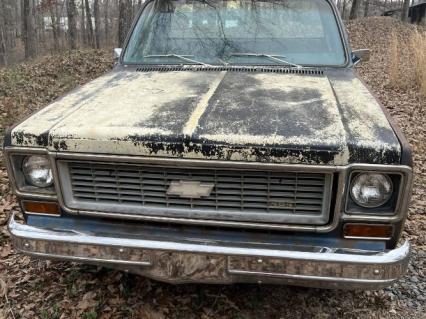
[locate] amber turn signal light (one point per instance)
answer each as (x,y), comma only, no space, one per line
(41,208)
(368,231)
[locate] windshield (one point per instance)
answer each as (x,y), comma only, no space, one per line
(243,32)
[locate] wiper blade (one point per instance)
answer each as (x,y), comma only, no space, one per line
(274,57)
(182,57)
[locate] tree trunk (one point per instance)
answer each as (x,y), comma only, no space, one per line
(3,52)
(96,13)
(55,27)
(72,24)
(344,9)
(28,33)
(106,22)
(124,20)
(40,29)
(354,9)
(89,24)
(405,10)
(366,7)
(83,24)
(121,21)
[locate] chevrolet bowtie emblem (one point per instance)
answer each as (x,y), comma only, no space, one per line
(190,189)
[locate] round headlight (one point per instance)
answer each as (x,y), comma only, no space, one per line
(37,171)
(371,189)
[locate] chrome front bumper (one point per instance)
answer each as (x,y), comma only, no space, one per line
(211,262)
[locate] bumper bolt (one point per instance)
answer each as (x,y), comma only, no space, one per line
(27,245)
(376,271)
(121,250)
(259,261)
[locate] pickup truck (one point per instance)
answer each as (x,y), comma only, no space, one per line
(232,142)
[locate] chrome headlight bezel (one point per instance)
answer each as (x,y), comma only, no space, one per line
(388,207)
(19,182)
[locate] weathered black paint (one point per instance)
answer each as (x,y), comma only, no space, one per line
(210,149)
(255,112)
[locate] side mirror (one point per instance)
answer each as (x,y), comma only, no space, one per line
(117,54)
(361,55)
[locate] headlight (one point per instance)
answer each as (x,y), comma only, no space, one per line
(371,189)
(37,171)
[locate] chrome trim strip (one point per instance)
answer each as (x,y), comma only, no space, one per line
(342,281)
(366,269)
(93,260)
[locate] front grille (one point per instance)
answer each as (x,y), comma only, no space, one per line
(237,195)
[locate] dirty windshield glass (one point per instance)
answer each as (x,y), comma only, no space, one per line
(243,32)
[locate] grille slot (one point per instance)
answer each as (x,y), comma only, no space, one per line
(238,195)
(253,69)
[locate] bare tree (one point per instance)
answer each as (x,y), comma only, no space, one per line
(345,2)
(405,10)
(3,36)
(43,26)
(106,21)
(3,52)
(55,24)
(354,9)
(28,29)
(83,23)
(124,19)
(366,7)
(89,24)
(97,15)
(72,24)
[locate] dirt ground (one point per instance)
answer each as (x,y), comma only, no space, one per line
(31,288)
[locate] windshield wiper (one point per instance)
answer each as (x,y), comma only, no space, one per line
(273,57)
(182,57)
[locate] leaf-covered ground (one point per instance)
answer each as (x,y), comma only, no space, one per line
(31,288)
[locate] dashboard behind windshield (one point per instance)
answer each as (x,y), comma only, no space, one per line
(244,32)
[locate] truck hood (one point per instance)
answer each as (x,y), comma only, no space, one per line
(329,119)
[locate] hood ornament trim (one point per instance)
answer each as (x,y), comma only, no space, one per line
(190,189)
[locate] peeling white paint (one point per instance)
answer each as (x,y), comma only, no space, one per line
(113,108)
(365,116)
(101,116)
(192,123)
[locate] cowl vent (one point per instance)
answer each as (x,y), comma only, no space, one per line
(254,69)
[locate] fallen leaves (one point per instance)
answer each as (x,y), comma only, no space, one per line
(3,288)
(88,301)
(29,86)
(6,250)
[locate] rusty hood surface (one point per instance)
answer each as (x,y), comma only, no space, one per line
(328,119)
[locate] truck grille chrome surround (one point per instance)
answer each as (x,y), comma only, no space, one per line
(256,195)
